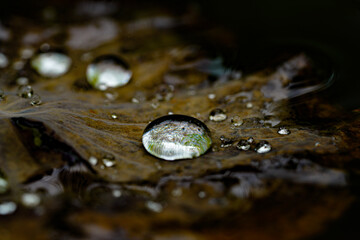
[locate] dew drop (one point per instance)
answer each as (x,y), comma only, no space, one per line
(217,115)
(109,161)
(116,193)
(30,199)
(7,208)
(243,145)
(51,64)
(202,194)
(25,91)
(250,140)
(249,105)
(283,131)
(174,137)
(237,121)
(114,116)
(4,62)
(108,71)
(263,147)
(35,100)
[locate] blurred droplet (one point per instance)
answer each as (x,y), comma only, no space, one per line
(7,208)
(30,199)
(93,160)
(116,193)
(108,71)
(225,142)
(108,160)
(25,91)
(175,137)
(22,81)
(154,206)
(4,62)
(249,105)
(236,121)
(51,64)
(217,115)
(4,185)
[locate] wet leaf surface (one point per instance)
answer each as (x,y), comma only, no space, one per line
(61,148)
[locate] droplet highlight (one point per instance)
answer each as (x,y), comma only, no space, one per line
(283,131)
(51,64)
(263,147)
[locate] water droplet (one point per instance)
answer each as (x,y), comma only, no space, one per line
(249,105)
(177,192)
(243,145)
(4,62)
(263,147)
(114,116)
(27,53)
(175,137)
(225,142)
(25,91)
(18,65)
(250,140)
(202,194)
(317,144)
(170,113)
(217,115)
(211,96)
(4,185)
(154,206)
(283,131)
(237,121)
(51,64)
(30,199)
(116,193)
(7,208)
(109,161)
(108,71)
(22,81)
(35,100)
(93,160)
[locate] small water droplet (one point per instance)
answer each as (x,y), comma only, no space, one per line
(7,208)
(135,100)
(4,62)
(114,116)
(175,137)
(243,145)
(225,142)
(202,194)
(317,144)
(263,147)
(170,113)
(217,115)
(249,105)
(250,140)
(30,199)
(27,53)
(4,185)
(109,161)
(18,65)
(211,96)
(45,47)
(25,91)
(116,193)
(108,71)
(22,81)
(283,131)
(154,206)
(177,192)
(93,160)
(35,100)
(155,104)
(111,96)
(51,64)
(236,121)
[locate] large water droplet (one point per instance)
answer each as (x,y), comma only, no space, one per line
(3,61)
(108,71)
(263,147)
(283,131)
(175,137)
(51,64)
(217,115)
